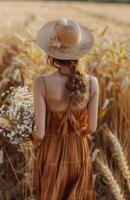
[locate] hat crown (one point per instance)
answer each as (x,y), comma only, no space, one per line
(66,33)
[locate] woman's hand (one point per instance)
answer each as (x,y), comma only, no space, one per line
(36,141)
(87,132)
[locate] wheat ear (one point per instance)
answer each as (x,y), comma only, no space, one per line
(111,181)
(120,156)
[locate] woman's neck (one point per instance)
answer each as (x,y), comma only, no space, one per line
(65,70)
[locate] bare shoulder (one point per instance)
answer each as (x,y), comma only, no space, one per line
(94,84)
(37,81)
(40,80)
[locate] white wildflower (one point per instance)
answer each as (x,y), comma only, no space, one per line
(20,111)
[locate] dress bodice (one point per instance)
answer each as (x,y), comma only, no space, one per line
(76,121)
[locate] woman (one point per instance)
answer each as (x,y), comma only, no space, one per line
(66,109)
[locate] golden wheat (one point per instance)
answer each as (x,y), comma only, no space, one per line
(119,154)
(111,181)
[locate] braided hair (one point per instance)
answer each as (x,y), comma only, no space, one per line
(76,84)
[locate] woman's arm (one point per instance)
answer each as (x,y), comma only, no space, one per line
(39,108)
(93,105)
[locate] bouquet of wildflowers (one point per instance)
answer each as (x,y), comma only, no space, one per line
(17,115)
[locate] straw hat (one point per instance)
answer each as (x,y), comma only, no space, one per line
(65,39)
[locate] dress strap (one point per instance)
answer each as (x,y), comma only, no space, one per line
(44,82)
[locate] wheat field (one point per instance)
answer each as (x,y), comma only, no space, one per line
(21,60)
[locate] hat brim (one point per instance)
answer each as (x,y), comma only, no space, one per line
(75,52)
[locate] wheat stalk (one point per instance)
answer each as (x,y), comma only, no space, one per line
(111,181)
(120,156)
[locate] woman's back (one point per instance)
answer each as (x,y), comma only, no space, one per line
(55,93)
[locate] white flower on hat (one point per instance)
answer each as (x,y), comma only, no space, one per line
(56,43)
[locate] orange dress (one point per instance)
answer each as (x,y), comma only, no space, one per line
(63,167)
